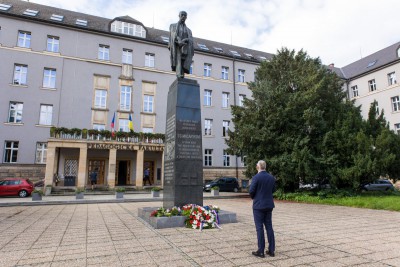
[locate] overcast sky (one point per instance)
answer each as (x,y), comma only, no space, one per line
(337,31)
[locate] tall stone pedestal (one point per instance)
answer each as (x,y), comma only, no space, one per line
(183,158)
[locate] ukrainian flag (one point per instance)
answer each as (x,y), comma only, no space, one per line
(130,124)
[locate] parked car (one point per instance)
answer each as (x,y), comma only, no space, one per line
(21,187)
(378,185)
(224,184)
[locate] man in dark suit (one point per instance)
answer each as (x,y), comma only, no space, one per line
(261,190)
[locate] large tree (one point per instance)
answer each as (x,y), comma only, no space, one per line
(300,122)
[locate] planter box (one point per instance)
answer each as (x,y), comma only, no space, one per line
(214,192)
(155,193)
(119,194)
(80,195)
(179,221)
(36,197)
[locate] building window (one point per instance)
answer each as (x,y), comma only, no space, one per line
(41,152)
(208,157)
(99,127)
(124,125)
(207,70)
(49,78)
(207,98)
(125,98)
(20,74)
(225,128)
(224,73)
(148,102)
(127,56)
(226,159)
(15,112)
(24,39)
(128,28)
(225,100)
(392,78)
(207,127)
(46,114)
(104,52)
(241,99)
(376,107)
(396,103)
(100,98)
(241,77)
(397,128)
(372,85)
(191,69)
(149,60)
(10,151)
(354,90)
(53,44)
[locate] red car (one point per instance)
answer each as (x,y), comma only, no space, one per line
(16,187)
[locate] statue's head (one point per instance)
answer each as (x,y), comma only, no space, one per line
(182,16)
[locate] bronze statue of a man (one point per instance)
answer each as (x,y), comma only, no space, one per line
(180,46)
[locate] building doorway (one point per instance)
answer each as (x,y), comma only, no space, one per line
(150,165)
(99,167)
(123,172)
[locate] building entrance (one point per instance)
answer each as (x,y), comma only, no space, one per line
(123,172)
(99,167)
(150,165)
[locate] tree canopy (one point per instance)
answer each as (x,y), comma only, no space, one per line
(301,123)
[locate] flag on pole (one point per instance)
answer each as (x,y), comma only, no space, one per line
(113,126)
(130,123)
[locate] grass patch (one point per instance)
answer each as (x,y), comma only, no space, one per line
(369,200)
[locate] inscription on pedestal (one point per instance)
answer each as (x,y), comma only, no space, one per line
(183,167)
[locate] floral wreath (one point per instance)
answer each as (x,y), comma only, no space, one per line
(197,217)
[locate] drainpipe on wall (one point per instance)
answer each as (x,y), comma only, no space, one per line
(234,104)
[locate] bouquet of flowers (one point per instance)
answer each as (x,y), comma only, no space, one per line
(199,217)
(161,212)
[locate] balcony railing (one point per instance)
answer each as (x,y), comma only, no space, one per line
(104,135)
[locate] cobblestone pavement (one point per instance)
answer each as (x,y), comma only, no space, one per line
(111,234)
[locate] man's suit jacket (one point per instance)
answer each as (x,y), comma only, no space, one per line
(261,189)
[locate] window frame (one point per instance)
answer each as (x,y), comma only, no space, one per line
(207,97)
(53,44)
(241,75)
(149,60)
(24,39)
(395,103)
(148,103)
(123,125)
(103,52)
(225,100)
(208,127)
(354,90)
(49,80)
(225,128)
(11,150)
(41,153)
(372,85)
(127,56)
(19,107)
(99,99)
(224,73)
(208,157)
(20,75)
(226,159)
(392,78)
(125,99)
(207,70)
(46,116)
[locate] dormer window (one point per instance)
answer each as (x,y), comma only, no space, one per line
(31,12)
(398,52)
(235,53)
(81,22)
(371,63)
(128,28)
(165,39)
(57,17)
(219,49)
(203,47)
(262,58)
(249,55)
(4,7)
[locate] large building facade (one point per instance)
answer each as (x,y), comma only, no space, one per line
(66,69)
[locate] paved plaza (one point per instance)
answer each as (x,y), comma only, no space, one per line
(111,234)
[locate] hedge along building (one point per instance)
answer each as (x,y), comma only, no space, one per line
(67,69)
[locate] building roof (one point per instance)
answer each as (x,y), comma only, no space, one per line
(100,24)
(372,62)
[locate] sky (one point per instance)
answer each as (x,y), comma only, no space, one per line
(336,31)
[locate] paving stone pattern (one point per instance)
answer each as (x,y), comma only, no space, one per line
(111,234)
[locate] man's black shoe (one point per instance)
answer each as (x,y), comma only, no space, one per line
(258,254)
(272,254)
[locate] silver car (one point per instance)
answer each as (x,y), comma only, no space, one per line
(379,185)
